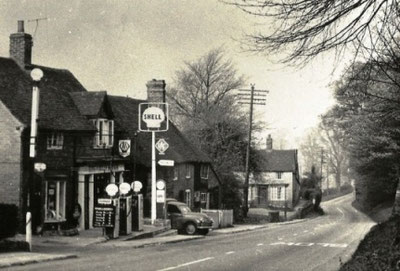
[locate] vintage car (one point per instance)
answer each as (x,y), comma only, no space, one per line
(186,221)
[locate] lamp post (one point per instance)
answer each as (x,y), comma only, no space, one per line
(36,75)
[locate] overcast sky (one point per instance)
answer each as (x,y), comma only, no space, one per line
(118,46)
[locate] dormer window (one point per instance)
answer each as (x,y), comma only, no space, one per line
(104,137)
(55,141)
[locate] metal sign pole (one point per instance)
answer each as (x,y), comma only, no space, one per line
(153,178)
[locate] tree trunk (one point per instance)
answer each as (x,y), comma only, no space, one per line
(338,180)
(396,205)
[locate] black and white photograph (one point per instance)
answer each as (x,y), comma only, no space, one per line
(240,135)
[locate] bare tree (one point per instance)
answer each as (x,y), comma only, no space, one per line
(306,28)
(334,138)
(201,85)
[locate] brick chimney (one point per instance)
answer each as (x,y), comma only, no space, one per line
(156,91)
(269,143)
(21,46)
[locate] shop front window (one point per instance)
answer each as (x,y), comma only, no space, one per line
(55,201)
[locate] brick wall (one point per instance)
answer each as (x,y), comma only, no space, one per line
(10,158)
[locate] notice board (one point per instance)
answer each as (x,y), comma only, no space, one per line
(104,215)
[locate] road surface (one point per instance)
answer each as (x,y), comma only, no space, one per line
(315,244)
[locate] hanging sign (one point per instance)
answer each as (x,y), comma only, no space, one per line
(124,147)
(162,146)
(153,117)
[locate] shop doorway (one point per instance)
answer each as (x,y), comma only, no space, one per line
(87,200)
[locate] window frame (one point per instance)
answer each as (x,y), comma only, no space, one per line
(278,193)
(55,141)
(59,210)
(204,168)
(279,175)
(188,197)
(104,137)
(203,197)
(176,173)
(188,172)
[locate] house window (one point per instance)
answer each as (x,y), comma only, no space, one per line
(204,171)
(104,137)
(203,197)
(188,197)
(188,171)
(55,141)
(277,193)
(55,201)
(279,175)
(176,173)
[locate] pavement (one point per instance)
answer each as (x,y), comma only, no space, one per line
(150,236)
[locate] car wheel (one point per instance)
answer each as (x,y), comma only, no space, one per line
(203,231)
(190,228)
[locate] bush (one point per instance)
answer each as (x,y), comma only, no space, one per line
(9,220)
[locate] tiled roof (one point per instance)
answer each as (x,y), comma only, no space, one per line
(57,110)
(180,149)
(89,103)
(276,160)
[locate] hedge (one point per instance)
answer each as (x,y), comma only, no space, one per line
(9,220)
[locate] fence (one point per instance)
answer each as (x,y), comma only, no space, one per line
(222,218)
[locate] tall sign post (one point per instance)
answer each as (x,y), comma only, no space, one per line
(255,97)
(153,117)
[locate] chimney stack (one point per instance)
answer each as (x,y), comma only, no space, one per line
(269,143)
(156,91)
(21,46)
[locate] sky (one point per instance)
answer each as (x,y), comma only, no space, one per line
(119,45)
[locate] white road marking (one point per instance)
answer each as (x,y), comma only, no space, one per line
(260,244)
(305,231)
(294,234)
(229,252)
(186,264)
(309,244)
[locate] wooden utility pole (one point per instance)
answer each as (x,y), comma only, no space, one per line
(255,97)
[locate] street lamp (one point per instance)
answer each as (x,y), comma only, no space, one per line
(36,75)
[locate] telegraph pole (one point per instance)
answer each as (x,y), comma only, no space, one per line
(255,97)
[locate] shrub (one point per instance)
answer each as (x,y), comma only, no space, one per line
(9,220)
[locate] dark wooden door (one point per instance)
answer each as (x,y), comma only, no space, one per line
(262,196)
(87,200)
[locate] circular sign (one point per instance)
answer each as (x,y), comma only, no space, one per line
(40,167)
(136,186)
(153,116)
(160,185)
(112,189)
(124,188)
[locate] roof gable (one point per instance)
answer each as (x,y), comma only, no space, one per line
(56,109)
(92,103)
(277,160)
(180,149)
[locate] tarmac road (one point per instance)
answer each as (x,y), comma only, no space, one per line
(315,244)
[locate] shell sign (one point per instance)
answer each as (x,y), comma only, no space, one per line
(153,117)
